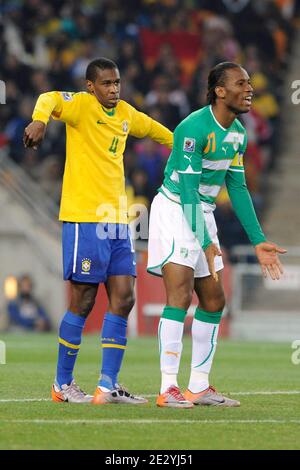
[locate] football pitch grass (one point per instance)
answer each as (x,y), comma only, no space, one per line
(260,375)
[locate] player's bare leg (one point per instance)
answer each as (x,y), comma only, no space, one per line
(83,298)
(178,281)
(120,291)
(205,330)
(82,301)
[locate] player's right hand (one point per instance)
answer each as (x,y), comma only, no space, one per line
(211,251)
(34,134)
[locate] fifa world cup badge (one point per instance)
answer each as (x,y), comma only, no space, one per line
(189,144)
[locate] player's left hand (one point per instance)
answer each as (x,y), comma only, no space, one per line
(211,252)
(267,255)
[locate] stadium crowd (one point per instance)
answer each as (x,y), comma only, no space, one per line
(164,50)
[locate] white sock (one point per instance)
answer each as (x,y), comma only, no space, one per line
(170,347)
(167,380)
(204,337)
(198,381)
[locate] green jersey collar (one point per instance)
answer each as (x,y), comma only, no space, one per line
(217,122)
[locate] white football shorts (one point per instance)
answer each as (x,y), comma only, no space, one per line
(171,239)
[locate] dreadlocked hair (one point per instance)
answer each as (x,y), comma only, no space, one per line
(217,77)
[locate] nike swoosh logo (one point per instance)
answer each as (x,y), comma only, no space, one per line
(101,122)
(72,354)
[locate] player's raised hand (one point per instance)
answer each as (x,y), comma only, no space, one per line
(267,255)
(211,252)
(34,134)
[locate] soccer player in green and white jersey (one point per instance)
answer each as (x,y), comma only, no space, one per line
(183,244)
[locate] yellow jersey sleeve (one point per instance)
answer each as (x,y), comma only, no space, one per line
(60,105)
(144,126)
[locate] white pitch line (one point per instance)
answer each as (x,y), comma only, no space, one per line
(22,400)
(264,392)
(150,421)
(275,392)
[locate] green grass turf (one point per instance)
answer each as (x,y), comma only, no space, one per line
(238,367)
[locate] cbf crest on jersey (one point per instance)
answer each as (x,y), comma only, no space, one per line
(189,144)
(125,126)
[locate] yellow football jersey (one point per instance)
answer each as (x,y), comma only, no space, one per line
(94,183)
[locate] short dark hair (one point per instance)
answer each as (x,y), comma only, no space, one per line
(102,63)
(217,77)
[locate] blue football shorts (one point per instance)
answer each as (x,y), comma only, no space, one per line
(94,251)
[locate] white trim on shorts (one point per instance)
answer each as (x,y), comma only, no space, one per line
(75,248)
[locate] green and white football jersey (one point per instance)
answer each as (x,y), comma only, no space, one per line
(203,146)
(205,155)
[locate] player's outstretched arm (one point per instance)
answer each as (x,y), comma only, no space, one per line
(144,126)
(267,255)
(34,133)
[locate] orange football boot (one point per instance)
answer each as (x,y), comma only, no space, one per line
(172,398)
(210,397)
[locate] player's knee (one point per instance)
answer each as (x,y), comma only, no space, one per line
(182,298)
(84,305)
(215,304)
(123,304)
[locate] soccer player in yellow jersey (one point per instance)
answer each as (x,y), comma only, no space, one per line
(96,241)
